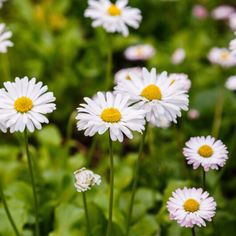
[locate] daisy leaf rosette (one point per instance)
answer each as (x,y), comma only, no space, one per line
(206,152)
(113,17)
(158,95)
(191,207)
(24,103)
(110,112)
(5,36)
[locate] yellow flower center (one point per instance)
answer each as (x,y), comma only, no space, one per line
(152,92)
(128,77)
(205,151)
(139,51)
(113,10)
(191,205)
(111,115)
(23,104)
(224,55)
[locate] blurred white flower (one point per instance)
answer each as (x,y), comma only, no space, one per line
(178,56)
(140,52)
(110,112)
(4,38)
(156,95)
(162,122)
(85,179)
(3,127)
(231,83)
(222,57)
(128,74)
(182,79)
(193,114)
(1,3)
(205,151)
(23,104)
(113,17)
(191,207)
(199,11)
(232,21)
(222,12)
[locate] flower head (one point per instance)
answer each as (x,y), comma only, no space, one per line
(222,57)
(222,12)
(193,114)
(109,112)
(140,52)
(4,39)
(113,17)
(182,79)
(232,46)
(231,83)
(178,56)
(191,207)
(232,21)
(199,11)
(128,74)
(205,151)
(85,179)
(157,95)
(24,103)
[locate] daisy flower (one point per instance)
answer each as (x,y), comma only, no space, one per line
(157,95)
(206,152)
(110,112)
(222,57)
(232,21)
(232,46)
(113,17)
(199,11)
(85,179)
(182,78)
(193,114)
(140,52)
(178,56)
(191,207)
(24,103)
(231,83)
(128,74)
(4,39)
(222,12)
(3,127)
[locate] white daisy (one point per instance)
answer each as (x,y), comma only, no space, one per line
(128,74)
(191,207)
(110,112)
(222,57)
(232,46)
(23,104)
(182,78)
(140,52)
(85,179)
(3,127)
(4,39)
(205,151)
(178,56)
(157,95)
(232,21)
(113,17)
(222,12)
(231,83)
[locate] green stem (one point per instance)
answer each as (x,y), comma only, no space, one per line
(5,67)
(30,165)
(193,232)
(203,179)
(109,81)
(92,149)
(109,227)
(86,213)
(7,210)
(136,177)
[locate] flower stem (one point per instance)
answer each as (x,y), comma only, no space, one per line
(109,227)
(7,210)
(30,165)
(193,232)
(92,150)
(5,67)
(136,177)
(86,213)
(203,179)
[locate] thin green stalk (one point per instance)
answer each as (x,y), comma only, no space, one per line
(92,149)
(70,127)
(30,165)
(136,177)
(8,211)
(5,67)
(109,226)
(109,65)
(193,232)
(86,213)
(203,179)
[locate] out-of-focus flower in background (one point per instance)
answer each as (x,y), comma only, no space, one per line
(193,114)
(182,79)
(5,36)
(1,3)
(222,57)
(222,12)
(128,74)
(199,11)
(231,83)
(232,21)
(178,56)
(140,52)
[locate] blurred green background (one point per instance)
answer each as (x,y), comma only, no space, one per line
(56,44)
